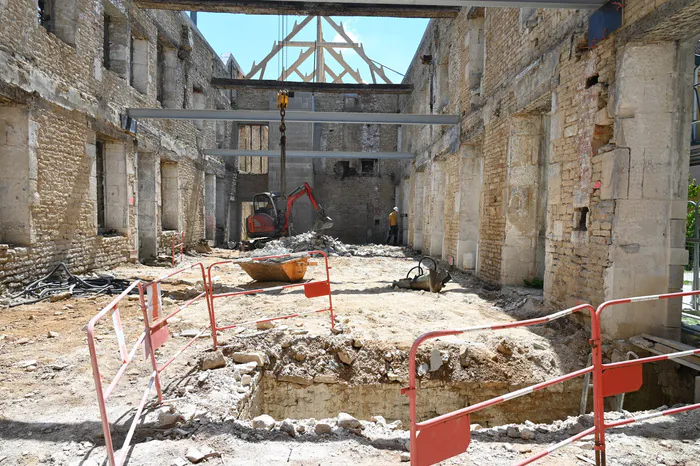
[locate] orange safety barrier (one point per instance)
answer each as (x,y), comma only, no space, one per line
(177,258)
(154,335)
(449,435)
(157,323)
(126,357)
(624,376)
(312,289)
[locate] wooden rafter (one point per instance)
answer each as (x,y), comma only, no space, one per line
(359,50)
(302,58)
(322,72)
(279,46)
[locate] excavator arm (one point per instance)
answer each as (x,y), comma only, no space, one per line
(322,221)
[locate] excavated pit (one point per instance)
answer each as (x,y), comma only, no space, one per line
(306,376)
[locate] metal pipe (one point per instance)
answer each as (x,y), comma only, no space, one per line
(266,116)
(313,154)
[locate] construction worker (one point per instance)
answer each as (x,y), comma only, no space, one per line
(393,226)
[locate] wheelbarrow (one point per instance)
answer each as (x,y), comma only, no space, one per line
(434,280)
(292,270)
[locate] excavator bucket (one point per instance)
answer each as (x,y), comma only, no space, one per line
(323,222)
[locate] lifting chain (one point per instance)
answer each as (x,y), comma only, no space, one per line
(282,103)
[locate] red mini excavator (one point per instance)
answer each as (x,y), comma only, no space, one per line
(270,217)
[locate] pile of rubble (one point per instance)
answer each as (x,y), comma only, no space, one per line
(313,240)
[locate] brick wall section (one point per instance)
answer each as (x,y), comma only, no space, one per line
(73,99)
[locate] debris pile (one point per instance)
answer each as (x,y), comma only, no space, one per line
(313,240)
(61,284)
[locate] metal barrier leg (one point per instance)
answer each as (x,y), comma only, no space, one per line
(598,400)
(149,343)
(586,387)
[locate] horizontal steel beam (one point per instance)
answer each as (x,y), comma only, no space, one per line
(295,154)
(340,88)
(396,8)
(266,116)
(279,7)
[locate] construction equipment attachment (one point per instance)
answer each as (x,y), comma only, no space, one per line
(434,280)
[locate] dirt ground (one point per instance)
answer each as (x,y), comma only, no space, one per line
(48,408)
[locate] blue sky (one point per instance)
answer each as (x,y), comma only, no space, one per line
(390,41)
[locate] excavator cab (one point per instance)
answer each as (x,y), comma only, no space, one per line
(271,213)
(265,219)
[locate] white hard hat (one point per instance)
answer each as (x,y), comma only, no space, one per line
(396,209)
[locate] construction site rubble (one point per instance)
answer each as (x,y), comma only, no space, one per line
(313,240)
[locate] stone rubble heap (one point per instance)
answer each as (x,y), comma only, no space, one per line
(313,240)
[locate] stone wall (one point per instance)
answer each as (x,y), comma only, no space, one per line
(558,143)
(61,111)
(358,201)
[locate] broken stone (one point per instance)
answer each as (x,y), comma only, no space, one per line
(338,329)
(258,357)
(52,334)
(357,343)
(527,434)
(198,455)
(246,368)
(288,428)
(297,379)
(378,419)
(265,325)
(22,341)
(405,457)
(325,378)
(213,360)
(505,347)
(246,380)
(422,370)
(396,425)
(513,432)
(524,448)
(27,363)
(323,428)
(437,359)
(348,422)
(202,378)
(263,422)
(168,416)
(300,357)
(347,356)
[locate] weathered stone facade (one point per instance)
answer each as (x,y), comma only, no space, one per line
(572,162)
(80,185)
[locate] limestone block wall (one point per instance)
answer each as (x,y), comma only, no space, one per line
(71,102)
(562,143)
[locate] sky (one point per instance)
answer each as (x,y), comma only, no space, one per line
(390,41)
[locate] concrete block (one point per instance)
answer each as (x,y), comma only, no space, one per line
(678,256)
